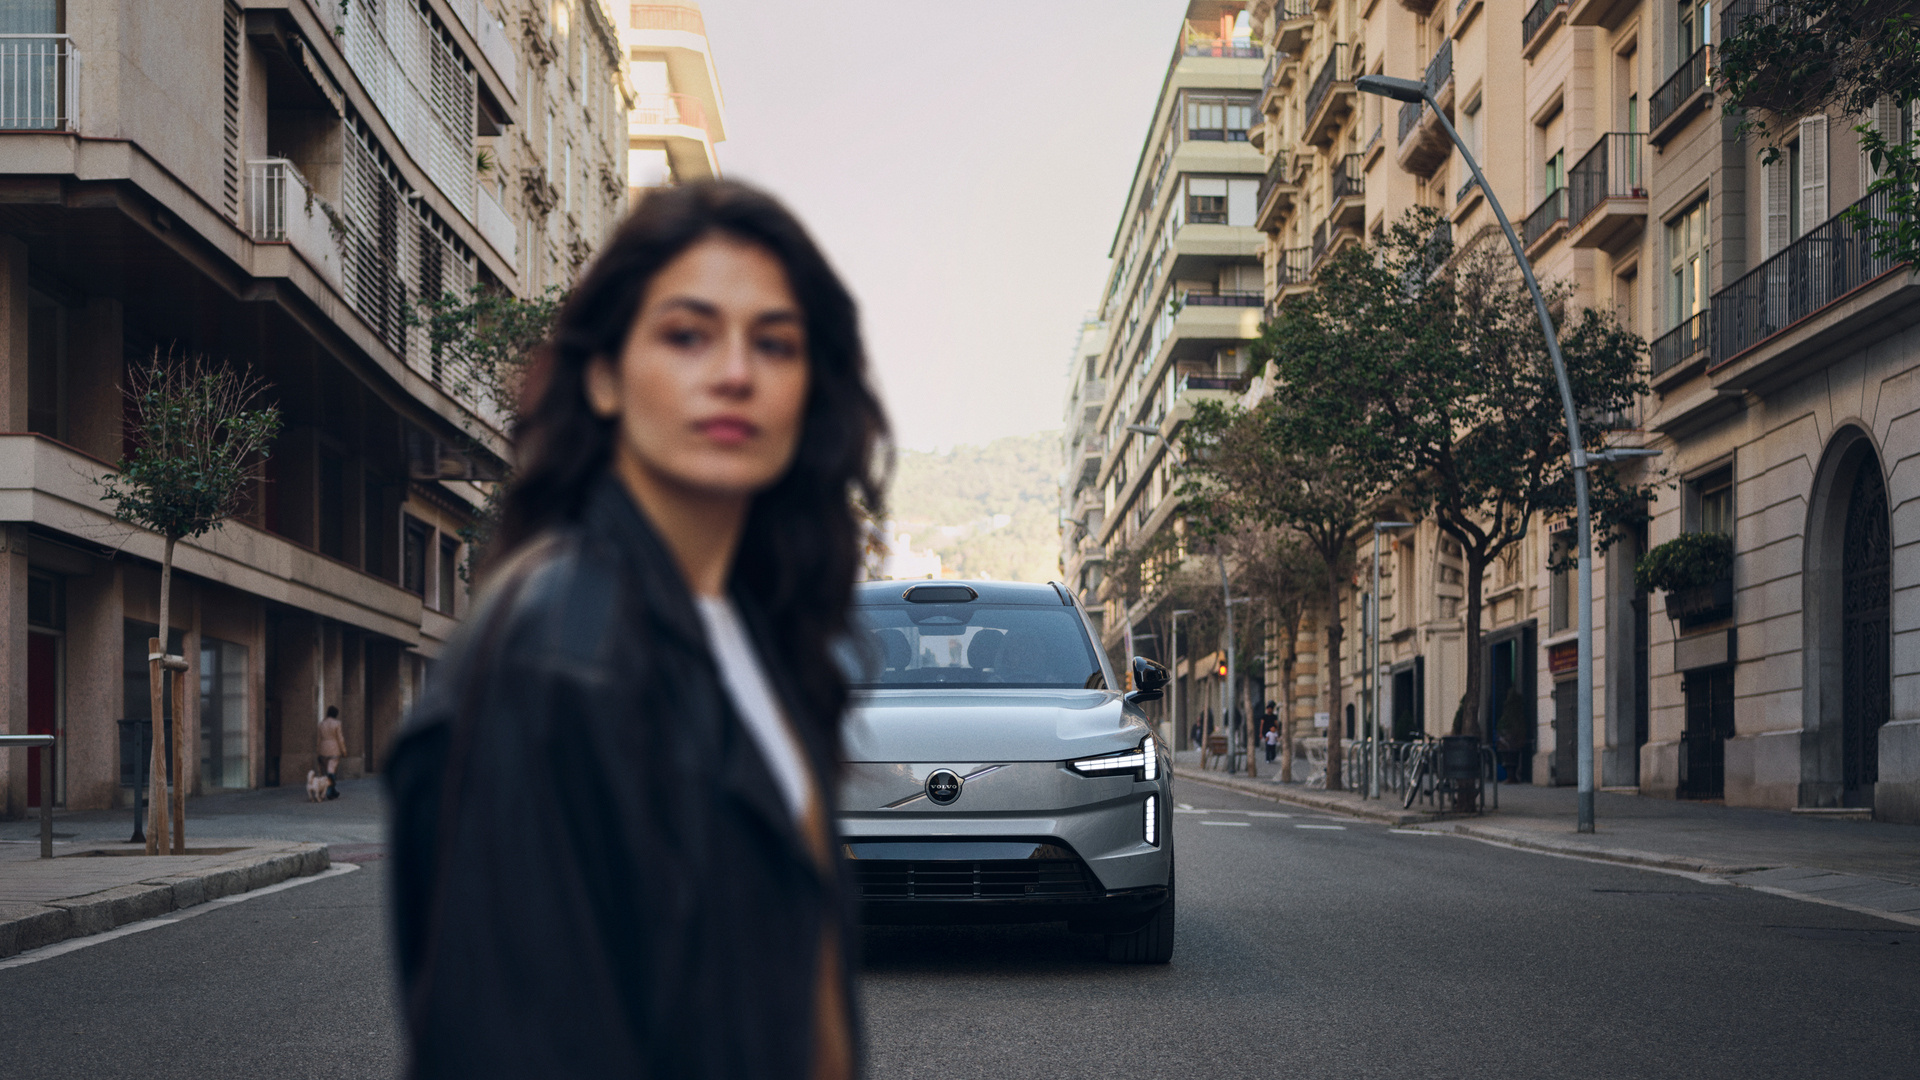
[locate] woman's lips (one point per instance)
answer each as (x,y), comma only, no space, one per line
(728,430)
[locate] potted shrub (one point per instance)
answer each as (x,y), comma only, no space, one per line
(1695,570)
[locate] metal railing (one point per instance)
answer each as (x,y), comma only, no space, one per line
(1274,63)
(44,744)
(1319,243)
(668,109)
(1536,17)
(1551,211)
(1682,343)
(1294,267)
(1611,170)
(1680,86)
(1236,298)
(1826,263)
(1237,50)
(1332,71)
(1410,117)
(1289,10)
(1188,383)
(1277,171)
(272,185)
(667,17)
(1440,68)
(1349,179)
(39,82)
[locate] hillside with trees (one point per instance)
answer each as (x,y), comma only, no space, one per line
(990,511)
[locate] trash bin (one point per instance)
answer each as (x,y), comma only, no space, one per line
(1460,757)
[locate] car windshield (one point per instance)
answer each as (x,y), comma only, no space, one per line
(974,644)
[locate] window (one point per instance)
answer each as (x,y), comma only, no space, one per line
(1713,503)
(1687,264)
(449,572)
(1219,118)
(1695,28)
(974,644)
(1207,201)
(413,557)
(46,367)
(1555,176)
(223,714)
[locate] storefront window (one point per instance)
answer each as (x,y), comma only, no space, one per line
(223,714)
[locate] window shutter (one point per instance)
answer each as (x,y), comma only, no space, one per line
(1813,171)
(1775,193)
(1885,119)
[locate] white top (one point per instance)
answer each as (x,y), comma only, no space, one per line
(753,698)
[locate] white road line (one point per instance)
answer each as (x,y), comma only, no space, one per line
(1341,828)
(1237,824)
(61,948)
(1185,806)
(1260,813)
(1418,832)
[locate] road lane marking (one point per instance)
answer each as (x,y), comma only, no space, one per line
(61,948)
(1235,824)
(1186,806)
(1341,828)
(1417,832)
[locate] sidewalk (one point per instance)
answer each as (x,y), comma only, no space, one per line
(1869,866)
(236,842)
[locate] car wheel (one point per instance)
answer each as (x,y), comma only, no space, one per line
(1152,943)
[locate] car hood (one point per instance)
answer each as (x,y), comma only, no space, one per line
(977,725)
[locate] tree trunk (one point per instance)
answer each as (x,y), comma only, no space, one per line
(1467,722)
(1333,679)
(159,796)
(1286,704)
(179,799)
(1247,725)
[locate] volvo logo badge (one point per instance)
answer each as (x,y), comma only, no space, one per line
(943,786)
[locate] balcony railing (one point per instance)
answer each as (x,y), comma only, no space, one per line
(1551,211)
(1332,71)
(1222,299)
(1274,64)
(1237,50)
(39,82)
(1349,179)
(1828,262)
(1319,243)
(1679,87)
(1611,170)
(1294,268)
(1536,17)
(1440,68)
(1682,343)
(274,189)
(1236,383)
(1277,172)
(654,110)
(667,17)
(1410,118)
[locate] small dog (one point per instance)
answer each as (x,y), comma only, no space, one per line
(317,786)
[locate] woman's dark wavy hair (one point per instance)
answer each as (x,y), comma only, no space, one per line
(803,538)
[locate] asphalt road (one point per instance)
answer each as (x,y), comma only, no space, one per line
(1304,949)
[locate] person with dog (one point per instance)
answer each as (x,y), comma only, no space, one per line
(613,842)
(329,747)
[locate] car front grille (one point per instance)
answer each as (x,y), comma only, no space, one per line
(994,879)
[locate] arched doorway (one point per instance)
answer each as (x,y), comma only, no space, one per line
(1864,647)
(1848,596)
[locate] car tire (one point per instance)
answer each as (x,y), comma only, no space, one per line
(1152,943)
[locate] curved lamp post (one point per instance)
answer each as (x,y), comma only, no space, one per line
(1411,90)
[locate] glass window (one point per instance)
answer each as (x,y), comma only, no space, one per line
(413,558)
(449,572)
(1715,506)
(1219,118)
(975,644)
(1687,264)
(223,714)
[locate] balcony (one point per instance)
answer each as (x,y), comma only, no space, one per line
(1277,190)
(1292,25)
(1546,222)
(39,82)
(1607,193)
(668,110)
(1231,49)
(1539,24)
(1347,191)
(282,209)
(1294,269)
(1424,144)
(1826,264)
(1681,346)
(1682,95)
(667,17)
(497,227)
(1319,244)
(1603,13)
(1331,97)
(1231,298)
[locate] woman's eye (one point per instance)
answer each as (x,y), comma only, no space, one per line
(683,337)
(780,347)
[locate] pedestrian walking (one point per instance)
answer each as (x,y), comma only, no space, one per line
(1272,738)
(1270,724)
(1196,734)
(329,747)
(613,842)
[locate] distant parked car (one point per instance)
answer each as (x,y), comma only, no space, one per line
(998,773)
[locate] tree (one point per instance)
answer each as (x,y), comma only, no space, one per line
(1277,566)
(1276,467)
(1433,361)
(196,443)
(1785,59)
(487,338)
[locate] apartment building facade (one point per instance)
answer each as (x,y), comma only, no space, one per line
(275,184)
(678,110)
(1781,354)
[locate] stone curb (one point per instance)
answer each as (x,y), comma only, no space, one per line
(1306,797)
(30,926)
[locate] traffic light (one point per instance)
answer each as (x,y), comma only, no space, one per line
(1221,669)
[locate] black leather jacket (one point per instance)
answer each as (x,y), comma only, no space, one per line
(594,872)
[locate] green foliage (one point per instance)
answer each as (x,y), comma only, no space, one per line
(1785,59)
(197,444)
(948,501)
(1688,561)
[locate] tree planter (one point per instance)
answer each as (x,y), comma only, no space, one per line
(1701,604)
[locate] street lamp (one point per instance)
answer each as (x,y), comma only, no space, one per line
(1173,663)
(1373,670)
(1411,90)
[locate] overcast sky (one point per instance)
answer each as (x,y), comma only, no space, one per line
(963,165)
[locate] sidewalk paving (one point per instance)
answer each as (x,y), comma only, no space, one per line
(236,842)
(1868,866)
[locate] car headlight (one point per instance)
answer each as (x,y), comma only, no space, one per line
(1141,759)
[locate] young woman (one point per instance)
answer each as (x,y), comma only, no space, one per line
(613,840)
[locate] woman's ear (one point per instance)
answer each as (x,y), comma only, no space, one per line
(603,387)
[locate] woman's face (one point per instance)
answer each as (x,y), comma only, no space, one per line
(711,383)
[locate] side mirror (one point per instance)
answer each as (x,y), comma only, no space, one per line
(1149,680)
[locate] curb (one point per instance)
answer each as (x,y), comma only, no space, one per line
(1305,797)
(31,926)
(1625,856)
